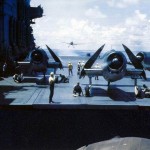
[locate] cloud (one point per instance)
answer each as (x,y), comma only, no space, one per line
(93,28)
(95,13)
(122,3)
(133,32)
(137,29)
(137,19)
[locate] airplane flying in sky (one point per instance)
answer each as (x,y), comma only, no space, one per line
(113,66)
(37,61)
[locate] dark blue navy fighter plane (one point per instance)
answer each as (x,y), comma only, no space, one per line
(113,65)
(37,61)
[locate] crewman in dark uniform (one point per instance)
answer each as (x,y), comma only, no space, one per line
(79,68)
(77,89)
(63,79)
(87,90)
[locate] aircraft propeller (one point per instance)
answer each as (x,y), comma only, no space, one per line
(37,56)
(55,57)
(135,61)
(91,61)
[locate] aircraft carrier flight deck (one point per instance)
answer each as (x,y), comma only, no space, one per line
(31,92)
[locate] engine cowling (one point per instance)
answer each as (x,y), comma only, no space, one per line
(116,66)
(39,60)
(37,56)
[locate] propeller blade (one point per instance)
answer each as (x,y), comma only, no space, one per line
(93,58)
(56,58)
(91,61)
(136,63)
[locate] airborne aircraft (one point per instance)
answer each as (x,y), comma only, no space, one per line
(37,61)
(71,44)
(113,66)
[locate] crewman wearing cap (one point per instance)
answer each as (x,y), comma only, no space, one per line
(70,67)
(51,83)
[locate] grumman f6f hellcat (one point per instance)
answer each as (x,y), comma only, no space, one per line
(37,61)
(113,66)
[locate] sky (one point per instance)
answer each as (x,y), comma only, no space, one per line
(92,23)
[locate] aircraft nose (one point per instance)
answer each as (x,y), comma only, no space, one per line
(37,56)
(115,63)
(115,60)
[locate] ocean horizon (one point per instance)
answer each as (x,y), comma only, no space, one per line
(76,52)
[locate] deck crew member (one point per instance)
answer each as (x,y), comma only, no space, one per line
(63,79)
(70,67)
(77,89)
(79,68)
(139,92)
(88,90)
(18,78)
(51,83)
(82,64)
(142,92)
(146,90)
(4,69)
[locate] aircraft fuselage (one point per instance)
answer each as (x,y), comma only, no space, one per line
(112,66)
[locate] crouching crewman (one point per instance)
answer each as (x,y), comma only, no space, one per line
(77,89)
